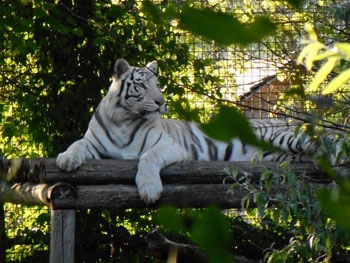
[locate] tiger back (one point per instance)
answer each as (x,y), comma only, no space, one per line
(127,124)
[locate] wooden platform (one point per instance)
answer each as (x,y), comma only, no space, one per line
(110,184)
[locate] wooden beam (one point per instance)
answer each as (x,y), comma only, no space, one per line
(123,172)
(110,183)
(35,194)
(126,196)
(27,193)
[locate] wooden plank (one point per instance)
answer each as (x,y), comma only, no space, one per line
(62,236)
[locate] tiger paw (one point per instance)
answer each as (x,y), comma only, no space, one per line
(68,162)
(149,191)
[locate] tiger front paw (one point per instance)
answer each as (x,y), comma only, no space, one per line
(149,190)
(67,161)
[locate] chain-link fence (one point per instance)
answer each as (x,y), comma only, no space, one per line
(263,78)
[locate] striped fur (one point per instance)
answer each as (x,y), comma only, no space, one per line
(127,125)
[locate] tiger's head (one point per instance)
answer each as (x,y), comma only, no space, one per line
(136,90)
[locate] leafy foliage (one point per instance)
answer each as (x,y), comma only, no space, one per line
(220,129)
(214,240)
(332,200)
(224,28)
(333,204)
(314,51)
(112,236)
(27,237)
(286,226)
(285,201)
(61,63)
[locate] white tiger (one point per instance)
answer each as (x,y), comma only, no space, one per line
(127,125)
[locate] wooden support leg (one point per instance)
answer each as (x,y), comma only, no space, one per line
(2,234)
(62,236)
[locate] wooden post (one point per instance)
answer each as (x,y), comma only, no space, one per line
(3,244)
(62,225)
(62,236)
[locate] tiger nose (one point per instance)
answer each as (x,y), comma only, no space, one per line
(160,101)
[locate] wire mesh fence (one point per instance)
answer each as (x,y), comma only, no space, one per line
(260,77)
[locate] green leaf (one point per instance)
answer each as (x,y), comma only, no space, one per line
(169,218)
(326,54)
(295,91)
(208,228)
(245,201)
(260,28)
(310,30)
(261,202)
(152,11)
(335,204)
(211,232)
(291,179)
(224,28)
(309,53)
(337,82)
(344,47)
(229,123)
(296,3)
(78,31)
(322,73)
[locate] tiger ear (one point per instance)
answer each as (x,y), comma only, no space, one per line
(121,66)
(153,66)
